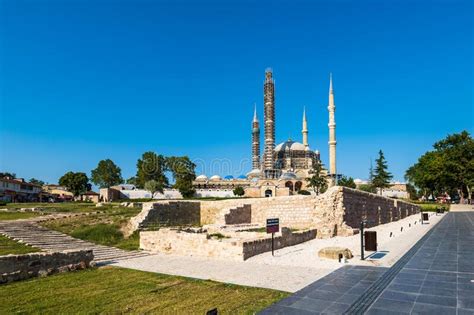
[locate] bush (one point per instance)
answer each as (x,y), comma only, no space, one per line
(304,192)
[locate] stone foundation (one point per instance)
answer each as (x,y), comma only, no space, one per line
(20,267)
(232,246)
(336,212)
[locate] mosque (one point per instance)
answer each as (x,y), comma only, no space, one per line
(283,168)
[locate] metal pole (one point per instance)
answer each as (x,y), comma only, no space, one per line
(362,240)
(273,247)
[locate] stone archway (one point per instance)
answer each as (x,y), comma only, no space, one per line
(268,193)
(289,185)
(298,185)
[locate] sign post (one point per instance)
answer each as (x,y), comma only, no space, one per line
(273,226)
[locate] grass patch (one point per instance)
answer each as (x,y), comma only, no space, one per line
(431,207)
(9,246)
(17,215)
(115,290)
(103,228)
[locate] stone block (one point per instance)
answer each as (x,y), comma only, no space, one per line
(334,252)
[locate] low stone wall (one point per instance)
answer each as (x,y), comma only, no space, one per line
(172,241)
(253,248)
(20,267)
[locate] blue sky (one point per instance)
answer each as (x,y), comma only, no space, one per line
(82,81)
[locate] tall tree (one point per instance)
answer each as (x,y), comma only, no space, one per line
(36,181)
(77,183)
(183,170)
(448,168)
(381,177)
(106,174)
(153,186)
(151,166)
(317,181)
(346,182)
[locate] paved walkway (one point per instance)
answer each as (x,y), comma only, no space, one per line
(29,232)
(436,276)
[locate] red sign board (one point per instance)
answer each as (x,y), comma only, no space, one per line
(273,225)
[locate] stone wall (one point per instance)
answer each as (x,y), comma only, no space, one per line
(287,238)
(165,213)
(336,212)
(20,267)
(172,241)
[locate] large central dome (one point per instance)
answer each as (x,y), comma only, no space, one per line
(290,145)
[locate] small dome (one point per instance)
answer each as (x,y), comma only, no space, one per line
(290,145)
(254,173)
(229,177)
(201,178)
(288,175)
(242,177)
(215,177)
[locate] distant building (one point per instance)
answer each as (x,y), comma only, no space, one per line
(396,189)
(58,192)
(18,190)
(128,191)
(88,196)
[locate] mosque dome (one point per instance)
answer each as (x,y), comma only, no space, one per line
(290,145)
(215,178)
(254,173)
(242,177)
(201,178)
(288,176)
(229,177)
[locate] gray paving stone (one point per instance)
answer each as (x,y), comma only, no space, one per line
(437,300)
(399,296)
(311,305)
(392,305)
(420,308)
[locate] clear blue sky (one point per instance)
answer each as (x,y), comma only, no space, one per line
(82,81)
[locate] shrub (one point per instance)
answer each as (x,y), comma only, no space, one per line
(304,192)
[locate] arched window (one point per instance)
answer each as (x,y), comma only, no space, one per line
(268,193)
(289,185)
(298,186)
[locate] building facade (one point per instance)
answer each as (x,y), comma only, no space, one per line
(18,190)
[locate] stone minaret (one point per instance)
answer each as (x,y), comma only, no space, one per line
(255,141)
(305,130)
(332,130)
(269,112)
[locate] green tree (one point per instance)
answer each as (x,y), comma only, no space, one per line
(77,183)
(318,181)
(183,171)
(239,191)
(7,174)
(153,186)
(381,177)
(36,181)
(346,182)
(368,188)
(106,174)
(447,168)
(132,181)
(151,166)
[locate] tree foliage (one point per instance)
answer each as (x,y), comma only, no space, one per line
(449,168)
(153,186)
(317,181)
(381,177)
(346,182)
(77,183)
(36,181)
(151,166)
(7,174)
(239,191)
(106,174)
(368,188)
(182,169)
